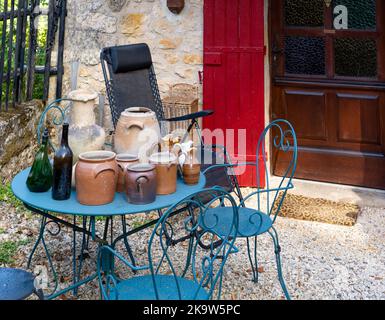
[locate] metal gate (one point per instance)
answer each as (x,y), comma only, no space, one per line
(18,44)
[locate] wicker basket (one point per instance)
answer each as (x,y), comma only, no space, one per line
(182,100)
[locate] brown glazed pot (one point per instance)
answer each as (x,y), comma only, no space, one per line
(96,178)
(124,160)
(140,180)
(166,172)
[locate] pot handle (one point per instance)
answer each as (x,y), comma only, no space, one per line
(103,167)
(140,181)
(172,163)
(138,124)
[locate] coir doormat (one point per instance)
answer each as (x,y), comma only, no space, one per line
(320,210)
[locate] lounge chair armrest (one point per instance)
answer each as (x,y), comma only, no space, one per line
(228,165)
(191,116)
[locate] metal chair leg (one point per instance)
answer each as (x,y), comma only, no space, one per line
(277,250)
(40,294)
(253,259)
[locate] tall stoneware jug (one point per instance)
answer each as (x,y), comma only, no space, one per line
(166,172)
(136,132)
(84,134)
(96,177)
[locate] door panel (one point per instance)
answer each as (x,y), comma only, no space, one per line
(330,84)
(234,75)
(354,111)
(297,108)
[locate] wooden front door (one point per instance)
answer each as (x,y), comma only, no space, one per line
(234,76)
(328,79)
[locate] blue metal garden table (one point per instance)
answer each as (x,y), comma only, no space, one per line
(43,204)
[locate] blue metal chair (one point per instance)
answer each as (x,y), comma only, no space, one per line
(254,222)
(190,273)
(16,284)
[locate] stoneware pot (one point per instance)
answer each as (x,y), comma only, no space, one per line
(136,132)
(84,134)
(96,177)
(124,160)
(166,172)
(140,183)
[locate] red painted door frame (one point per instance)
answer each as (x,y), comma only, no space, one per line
(233,84)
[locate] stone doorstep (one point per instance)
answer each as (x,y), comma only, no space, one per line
(364,197)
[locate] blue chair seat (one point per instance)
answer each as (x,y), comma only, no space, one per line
(251,222)
(15,284)
(142,288)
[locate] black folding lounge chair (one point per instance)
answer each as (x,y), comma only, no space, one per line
(131,81)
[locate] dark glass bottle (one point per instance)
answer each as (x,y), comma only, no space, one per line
(40,176)
(62,168)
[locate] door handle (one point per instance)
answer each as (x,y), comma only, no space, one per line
(276,52)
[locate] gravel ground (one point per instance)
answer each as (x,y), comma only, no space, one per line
(320,261)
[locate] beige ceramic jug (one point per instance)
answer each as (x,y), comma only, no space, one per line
(84,134)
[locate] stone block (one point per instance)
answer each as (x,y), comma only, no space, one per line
(168,44)
(193,59)
(18,143)
(132,23)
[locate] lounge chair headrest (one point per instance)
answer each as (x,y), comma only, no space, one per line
(130,58)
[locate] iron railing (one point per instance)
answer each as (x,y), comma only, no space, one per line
(19,45)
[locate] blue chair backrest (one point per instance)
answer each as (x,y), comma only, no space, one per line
(205,260)
(284,149)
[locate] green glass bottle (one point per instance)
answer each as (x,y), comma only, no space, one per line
(40,177)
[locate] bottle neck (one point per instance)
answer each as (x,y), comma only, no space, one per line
(44,141)
(64,137)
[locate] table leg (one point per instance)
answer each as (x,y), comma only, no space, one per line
(47,219)
(74,278)
(40,239)
(125,240)
(82,254)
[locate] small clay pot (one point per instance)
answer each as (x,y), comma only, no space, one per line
(166,171)
(191,169)
(140,182)
(96,178)
(124,160)
(191,173)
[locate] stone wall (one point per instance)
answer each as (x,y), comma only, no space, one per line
(18,138)
(176,41)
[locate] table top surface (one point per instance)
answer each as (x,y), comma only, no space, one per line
(120,205)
